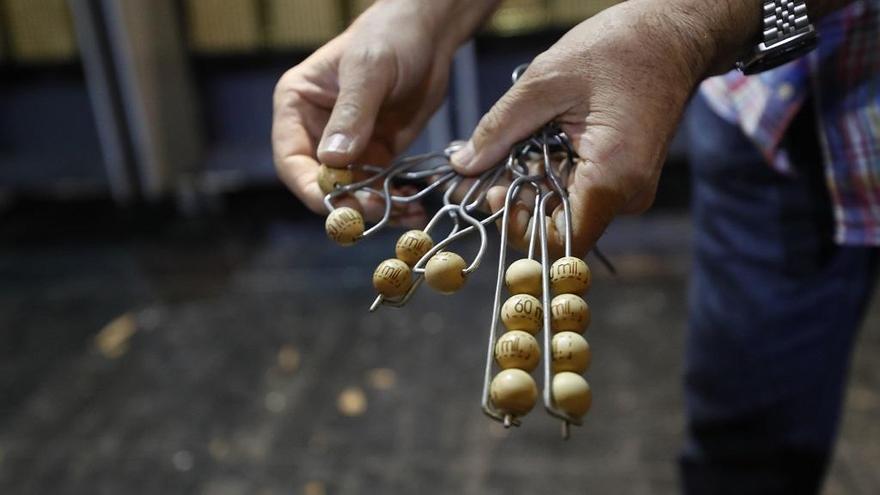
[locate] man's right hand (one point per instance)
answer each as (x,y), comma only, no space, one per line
(367,94)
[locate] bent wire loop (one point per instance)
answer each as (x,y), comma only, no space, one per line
(542,165)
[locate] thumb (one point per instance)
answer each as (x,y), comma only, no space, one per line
(365,80)
(526,107)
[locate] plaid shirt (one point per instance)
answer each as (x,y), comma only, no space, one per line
(843,77)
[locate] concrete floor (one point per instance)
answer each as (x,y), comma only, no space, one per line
(241,359)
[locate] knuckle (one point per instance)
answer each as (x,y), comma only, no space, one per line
(551,86)
(346,110)
(555,79)
(542,64)
(284,85)
(278,160)
(374,53)
(490,124)
(547,66)
(286,100)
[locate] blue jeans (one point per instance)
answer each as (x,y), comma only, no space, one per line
(774,310)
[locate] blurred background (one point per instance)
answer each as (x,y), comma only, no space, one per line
(173,321)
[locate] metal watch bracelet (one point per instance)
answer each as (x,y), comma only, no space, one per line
(787,34)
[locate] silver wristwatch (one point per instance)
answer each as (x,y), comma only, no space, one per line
(788,34)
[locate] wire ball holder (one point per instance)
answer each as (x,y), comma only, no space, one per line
(545,293)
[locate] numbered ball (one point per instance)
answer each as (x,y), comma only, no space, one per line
(524,277)
(569,275)
(443,272)
(572,393)
(513,392)
(522,312)
(517,349)
(330,178)
(392,278)
(571,352)
(412,246)
(570,313)
(344,225)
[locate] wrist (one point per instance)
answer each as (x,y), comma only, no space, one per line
(450,23)
(731,28)
(723,31)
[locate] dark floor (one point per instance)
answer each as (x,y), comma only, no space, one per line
(238,357)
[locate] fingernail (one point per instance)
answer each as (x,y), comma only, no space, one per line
(465,156)
(336,143)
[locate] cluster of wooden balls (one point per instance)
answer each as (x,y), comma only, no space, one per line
(393,277)
(570,316)
(344,225)
(444,272)
(513,390)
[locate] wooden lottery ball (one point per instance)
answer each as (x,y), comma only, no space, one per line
(330,178)
(513,392)
(571,393)
(571,352)
(443,272)
(517,349)
(344,226)
(392,278)
(569,275)
(522,312)
(412,246)
(569,313)
(524,277)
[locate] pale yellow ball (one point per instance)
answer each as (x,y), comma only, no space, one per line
(572,394)
(571,352)
(513,392)
(443,272)
(412,246)
(330,178)
(344,226)
(522,312)
(569,313)
(569,275)
(517,349)
(392,278)
(524,277)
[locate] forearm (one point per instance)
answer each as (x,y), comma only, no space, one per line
(451,22)
(461,18)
